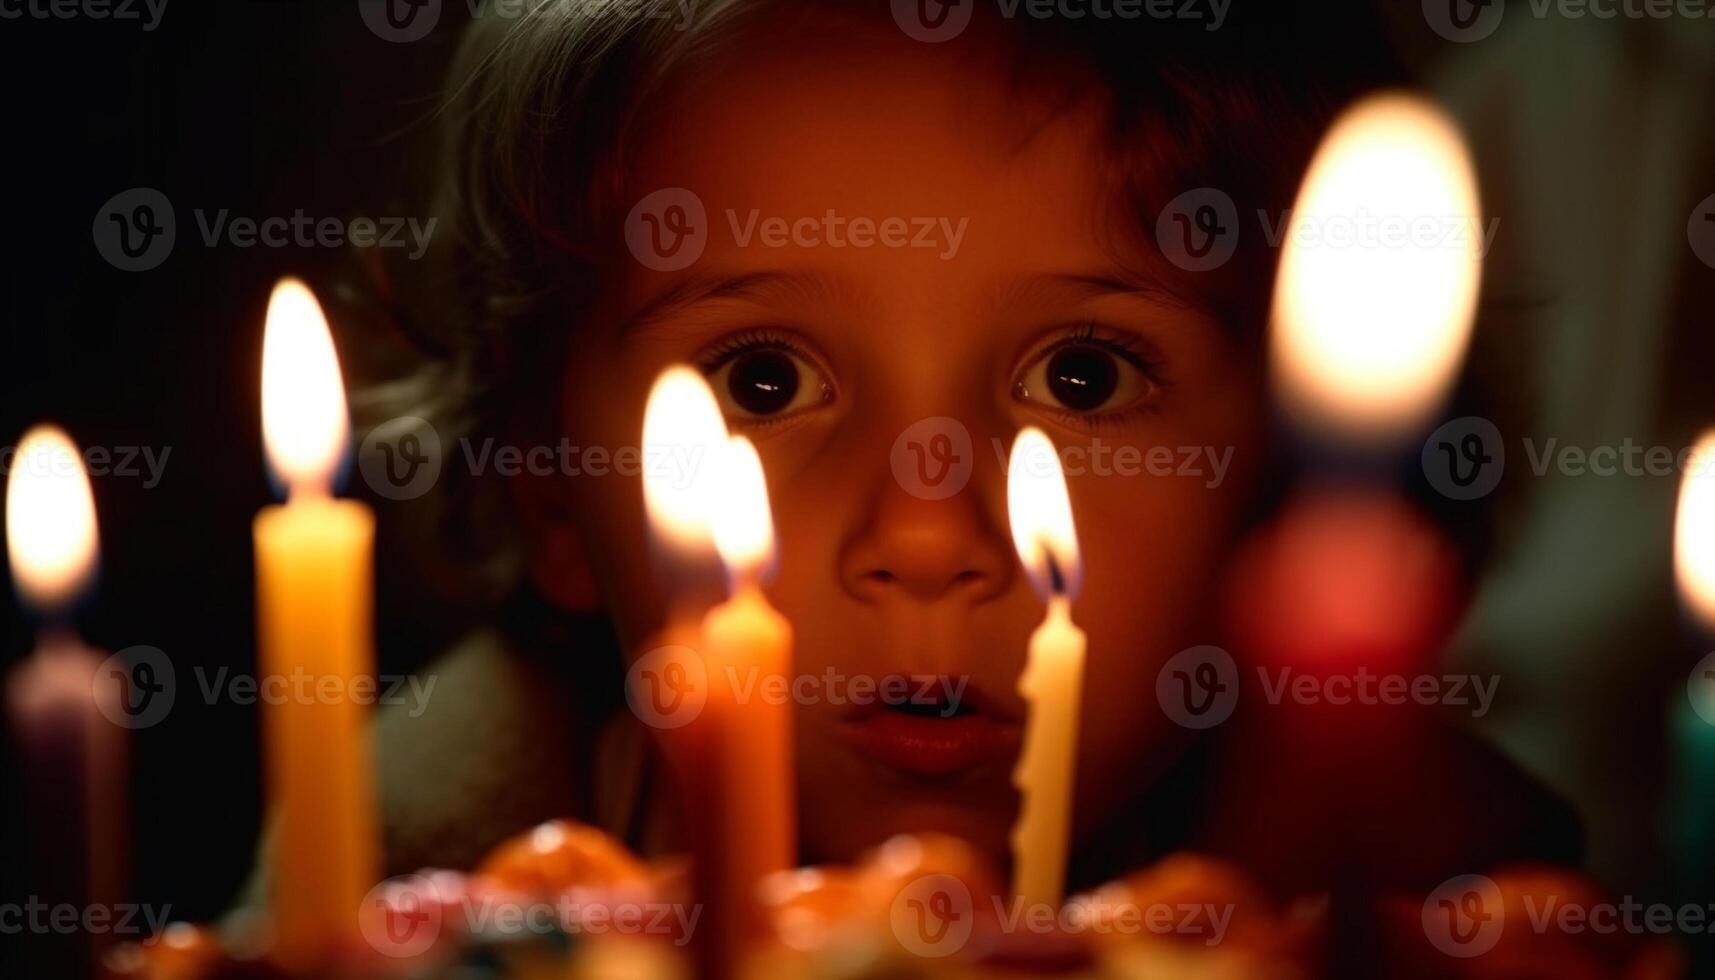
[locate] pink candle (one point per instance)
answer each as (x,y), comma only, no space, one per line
(73,758)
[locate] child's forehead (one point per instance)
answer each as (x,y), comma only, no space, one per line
(865,118)
(925,180)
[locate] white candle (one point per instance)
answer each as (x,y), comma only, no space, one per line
(1052,683)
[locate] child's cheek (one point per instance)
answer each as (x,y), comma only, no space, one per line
(1156,547)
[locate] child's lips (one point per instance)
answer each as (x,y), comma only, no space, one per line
(939,695)
(930,744)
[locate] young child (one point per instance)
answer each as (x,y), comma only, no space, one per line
(1028,159)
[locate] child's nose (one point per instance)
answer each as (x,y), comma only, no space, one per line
(928,550)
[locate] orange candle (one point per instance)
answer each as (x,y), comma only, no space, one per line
(676,687)
(745,644)
(1052,686)
(314,611)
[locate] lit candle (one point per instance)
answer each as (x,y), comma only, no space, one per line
(1369,333)
(314,611)
(1694,534)
(746,643)
(1367,336)
(732,756)
(1694,721)
(1047,543)
(1373,309)
(682,424)
(72,757)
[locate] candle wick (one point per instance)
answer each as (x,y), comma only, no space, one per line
(742,579)
(308,489)
(1056,577)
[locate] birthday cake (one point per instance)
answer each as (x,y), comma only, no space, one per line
(568,901)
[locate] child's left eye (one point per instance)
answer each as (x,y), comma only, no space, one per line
(1086,375)
(760,379)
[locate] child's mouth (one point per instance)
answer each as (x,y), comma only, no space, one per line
(929,733)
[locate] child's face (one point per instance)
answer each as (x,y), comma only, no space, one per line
(1011,310)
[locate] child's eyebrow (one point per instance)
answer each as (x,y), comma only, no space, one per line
(701,289)
(1085,286)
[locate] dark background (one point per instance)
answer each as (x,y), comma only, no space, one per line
(262,108)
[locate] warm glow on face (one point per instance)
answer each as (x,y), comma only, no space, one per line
(1694,533)
(303,397)
(1379,274)
(50,519)
(1041,514)
(683,434)
(743,526)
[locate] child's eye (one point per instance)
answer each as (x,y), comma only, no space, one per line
(764,377)
(1088,374)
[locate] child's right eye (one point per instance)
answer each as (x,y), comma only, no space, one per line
(765,377)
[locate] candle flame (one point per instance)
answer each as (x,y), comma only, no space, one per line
(304,423)
(1041,514)
(1694,532)
(683,434)
(743,527)
(1370,326)
(50,519)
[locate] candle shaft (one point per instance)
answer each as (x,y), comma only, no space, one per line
(74,767)
(1052,687)
(747,643)
(314,567)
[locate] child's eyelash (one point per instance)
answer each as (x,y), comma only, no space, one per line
(1119,343)
(736,345)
